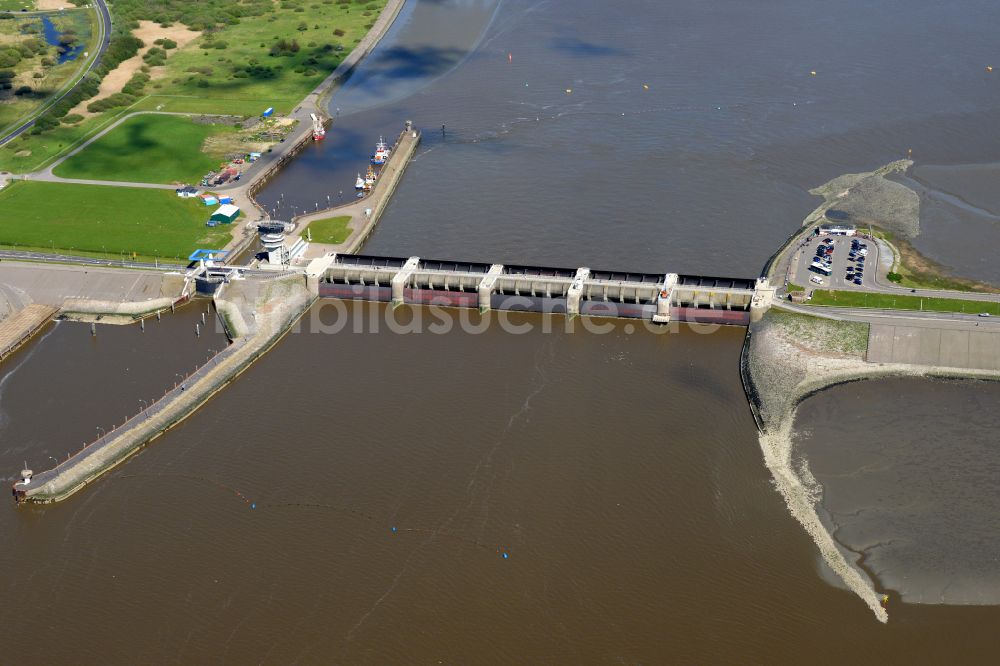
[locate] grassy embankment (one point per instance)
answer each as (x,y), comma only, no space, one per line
(148,149)
(839,337)
(102,221)
(330,230)
(912,269)
(253,54)
(858,299)
(30,73)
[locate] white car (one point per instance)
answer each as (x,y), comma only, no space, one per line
(816,279)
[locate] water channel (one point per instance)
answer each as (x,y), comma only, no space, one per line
(352,497)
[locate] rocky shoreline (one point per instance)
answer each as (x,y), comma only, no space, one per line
(789,357)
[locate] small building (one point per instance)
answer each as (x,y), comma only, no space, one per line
(187,192)
(208,257)
(209,199)
(225,200)
(836,230)
(226,214)
(268,112)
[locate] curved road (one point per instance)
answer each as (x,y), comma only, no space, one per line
(104,23)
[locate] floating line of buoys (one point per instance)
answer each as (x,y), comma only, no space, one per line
(502,550)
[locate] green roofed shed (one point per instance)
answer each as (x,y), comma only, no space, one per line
(226,213)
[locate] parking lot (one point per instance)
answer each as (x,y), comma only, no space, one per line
(851,260)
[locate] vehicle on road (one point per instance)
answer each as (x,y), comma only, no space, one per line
(822,269)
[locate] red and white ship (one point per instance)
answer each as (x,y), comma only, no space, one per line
(319,132)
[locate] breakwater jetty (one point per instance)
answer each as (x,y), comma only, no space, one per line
(257,313)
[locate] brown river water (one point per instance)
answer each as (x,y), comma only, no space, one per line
(546,496)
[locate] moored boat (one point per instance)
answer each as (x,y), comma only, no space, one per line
(381,152)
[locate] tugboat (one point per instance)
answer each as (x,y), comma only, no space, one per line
(319,132)
(370,179)
(381,153)
(359,184)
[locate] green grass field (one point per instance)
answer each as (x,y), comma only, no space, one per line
(147,149)
(17,5)
(331,230)
(859,299)
(28,153)
(98,220)
(234,71)
(194,104)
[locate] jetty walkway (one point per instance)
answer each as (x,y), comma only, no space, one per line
(270,309)
(366,211)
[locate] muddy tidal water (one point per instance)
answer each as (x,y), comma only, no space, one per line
(375,491)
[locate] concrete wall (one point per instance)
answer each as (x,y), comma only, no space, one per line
(355,292)
(457,299)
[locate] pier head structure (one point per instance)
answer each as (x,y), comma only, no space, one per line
(658,297)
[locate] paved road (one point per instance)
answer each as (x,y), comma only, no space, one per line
(897,317)
(47,177)
(56,258)
(104,25)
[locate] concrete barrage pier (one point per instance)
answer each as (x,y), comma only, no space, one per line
(659,297)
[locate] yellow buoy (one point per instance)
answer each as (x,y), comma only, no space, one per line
(569,90)
(645,86)
(813,72)
(989,68)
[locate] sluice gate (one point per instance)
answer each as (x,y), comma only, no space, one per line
(571,291)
